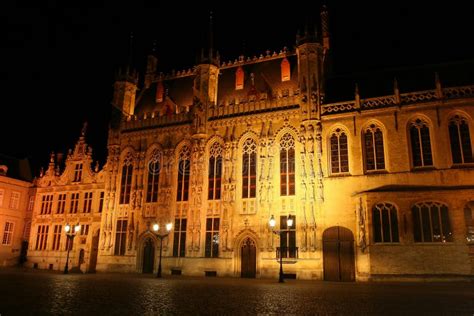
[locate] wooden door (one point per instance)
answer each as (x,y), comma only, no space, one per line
(94,252)
(248,257)
(148,256)
(338,254)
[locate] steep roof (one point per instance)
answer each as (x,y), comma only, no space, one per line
(17,168)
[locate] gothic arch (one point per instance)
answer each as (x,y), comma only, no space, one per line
(423,117)
(286,129)
(180,145)
(127,149)
(152,148)
(461,113)
(246,135)
(212,140)
(375,122)
(238,241)
(328,131)
(140,244)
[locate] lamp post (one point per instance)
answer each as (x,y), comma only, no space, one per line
(70,234)
(156,228)
(272,223)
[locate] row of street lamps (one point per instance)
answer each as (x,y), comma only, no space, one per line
(71,232)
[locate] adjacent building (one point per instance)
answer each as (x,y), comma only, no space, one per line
(16,204)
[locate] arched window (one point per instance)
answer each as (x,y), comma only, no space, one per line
(249,168)
(460,140)
(239,78)
(385,222)
(285,70)
(287,165)
(126,183)
(431,222)
(339,152)
(184,165)
(374,151)
(215,172)
(154,169)
(420,144)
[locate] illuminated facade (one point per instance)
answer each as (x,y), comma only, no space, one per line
(378,187)
(70,194)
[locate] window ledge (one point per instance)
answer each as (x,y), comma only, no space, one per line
(395,243)
(463,165)
(424,168)
(371,172)
(340,175)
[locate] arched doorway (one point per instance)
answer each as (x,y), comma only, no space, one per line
(148,256)
(94,251)
(338,254)
(248,259)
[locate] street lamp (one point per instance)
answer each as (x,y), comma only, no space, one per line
(70,234)
(156,228)
(272,223)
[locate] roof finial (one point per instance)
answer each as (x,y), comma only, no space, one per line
(84,129)
(211,37)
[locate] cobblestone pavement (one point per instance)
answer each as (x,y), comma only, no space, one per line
(45,292)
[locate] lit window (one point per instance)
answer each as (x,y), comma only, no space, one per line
(212,237)
(239,79)
(285,70)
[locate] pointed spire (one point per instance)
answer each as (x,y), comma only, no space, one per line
(262,131)
(439,89)
(325,26)
(357,96)
(270,130)
(84,129)
(308,36)
(211,37)
(396,91)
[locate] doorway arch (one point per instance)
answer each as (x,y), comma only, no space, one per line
(248,258)
(338,254)
(148,255)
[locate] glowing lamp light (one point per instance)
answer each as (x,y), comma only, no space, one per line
(77,228)
(156,227)
(67,228)
(289,221)
(272,222)
(169,226)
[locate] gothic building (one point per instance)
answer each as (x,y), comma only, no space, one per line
(375,188)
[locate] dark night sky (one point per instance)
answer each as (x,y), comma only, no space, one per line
(59,62)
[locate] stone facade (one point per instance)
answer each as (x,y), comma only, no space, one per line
(72,195)
(379,187)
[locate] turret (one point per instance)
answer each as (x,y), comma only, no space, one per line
(205,85)
(125,89)
(151,67)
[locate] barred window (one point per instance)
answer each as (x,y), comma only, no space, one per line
(120,237)
(215,172)
(339,152)
(154,169)
(249,169)
(212,237)
(126,183)
(184,165)
(460,140)
(431,222)
(420,144)
(385,223)
(374,150)
(288,237)
(287,165)
(179,240)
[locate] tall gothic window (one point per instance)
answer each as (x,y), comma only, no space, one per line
(215,172)
(431,222)
(385,222)
(460,139)
(184,165)
(120,237)
(212,237)
(179,240)
(249,169)
(339,152)
(287,165)
(288,237)
(420,144)
(374,151)
(126,183)
(154,169)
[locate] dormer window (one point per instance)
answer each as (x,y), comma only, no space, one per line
(159,92)
(78,173)
(239,79)
(285,70)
